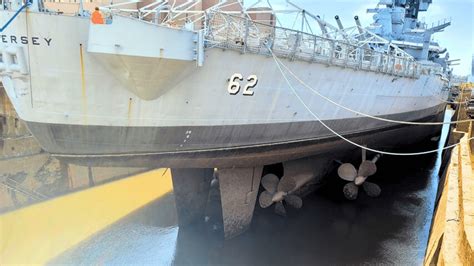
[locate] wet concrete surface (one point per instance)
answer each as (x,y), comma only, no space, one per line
(327,230)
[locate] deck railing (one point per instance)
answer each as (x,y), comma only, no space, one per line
(242,34)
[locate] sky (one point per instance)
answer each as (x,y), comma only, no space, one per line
(458,38)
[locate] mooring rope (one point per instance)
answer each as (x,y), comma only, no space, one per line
(344,138)
(278,61)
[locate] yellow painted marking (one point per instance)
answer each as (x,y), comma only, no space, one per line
(38,233)
(83,84)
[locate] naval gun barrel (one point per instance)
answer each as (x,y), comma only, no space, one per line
(359,26)
(322,25)
(339,23)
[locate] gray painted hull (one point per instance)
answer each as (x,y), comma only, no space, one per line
(130,109)
(225,146)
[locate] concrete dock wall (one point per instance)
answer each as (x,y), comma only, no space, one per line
(452,235)
(15,138)
(29,175)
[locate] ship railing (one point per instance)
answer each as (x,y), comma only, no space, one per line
(441,22)
(242,34)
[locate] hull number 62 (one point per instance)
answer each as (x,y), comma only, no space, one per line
(235,86)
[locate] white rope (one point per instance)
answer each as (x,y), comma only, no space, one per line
(342,137)
(364,114)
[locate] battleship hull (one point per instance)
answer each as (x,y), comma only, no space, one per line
(141,147)
(82,104)
(138,94)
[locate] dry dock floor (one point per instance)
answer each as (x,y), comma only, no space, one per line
(35,234)
(132,221)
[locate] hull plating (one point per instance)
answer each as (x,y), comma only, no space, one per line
(81,103)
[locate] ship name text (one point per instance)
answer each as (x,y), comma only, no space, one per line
(25,40)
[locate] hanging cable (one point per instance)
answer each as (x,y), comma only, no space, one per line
(364,114)
(344,138)
(370,116)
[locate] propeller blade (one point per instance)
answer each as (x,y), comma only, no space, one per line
(265,199)
(279,196)
(372,190)
(294,201)
(351,191)
(286,184)
(280,209)
(270,183)
(360,180)
(347,172)
(367,168)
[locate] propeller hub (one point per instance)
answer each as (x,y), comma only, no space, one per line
(360,180)
(279,196)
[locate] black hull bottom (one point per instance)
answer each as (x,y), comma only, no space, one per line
(396,137)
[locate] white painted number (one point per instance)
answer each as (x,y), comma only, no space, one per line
(253,80)
(234,84)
